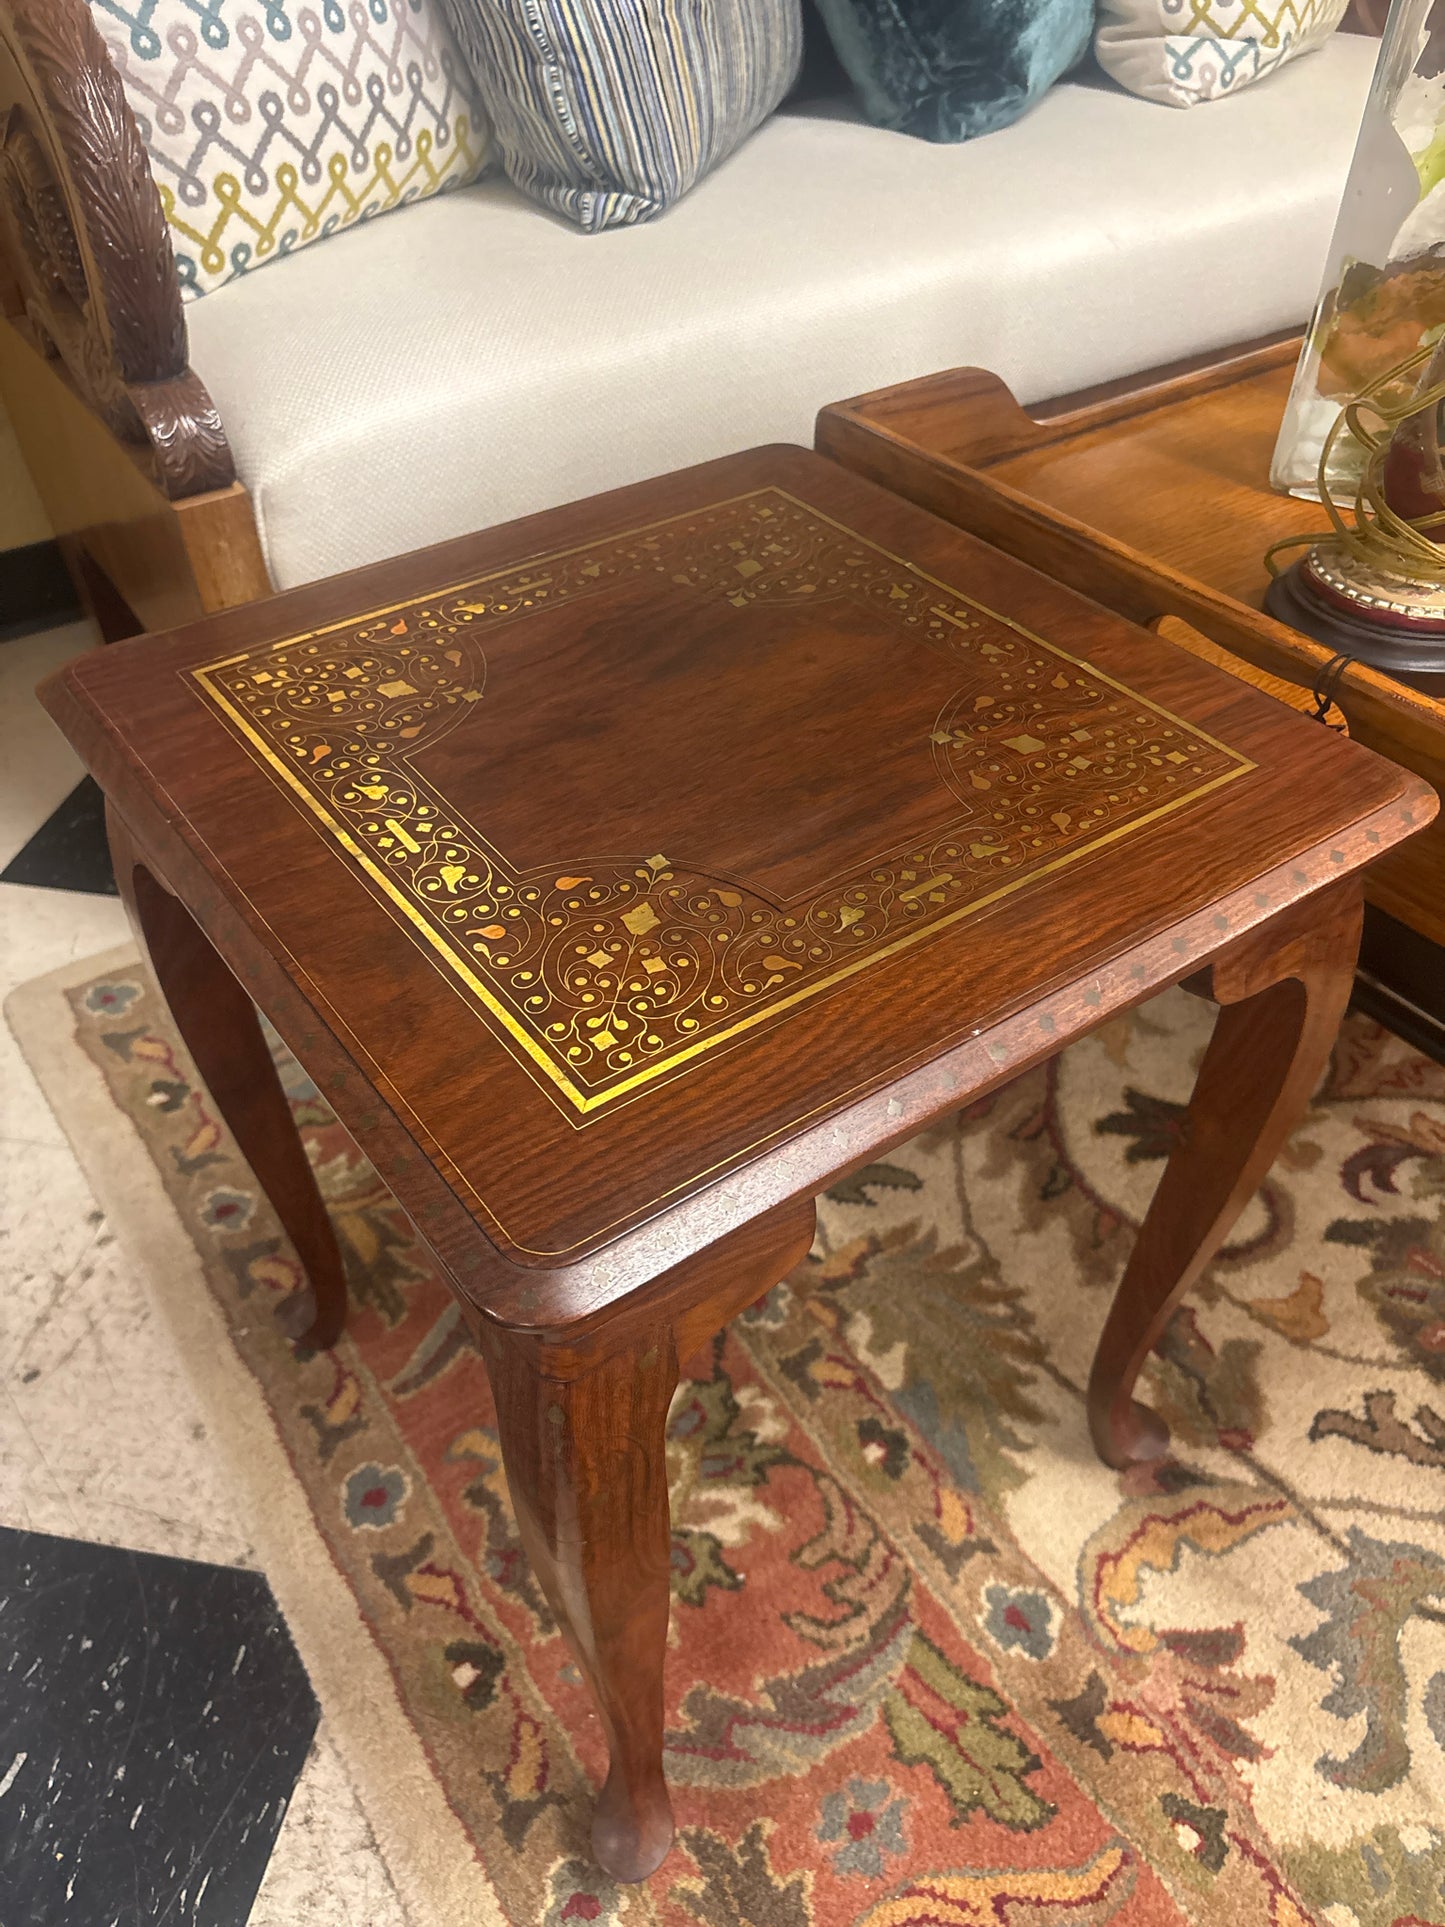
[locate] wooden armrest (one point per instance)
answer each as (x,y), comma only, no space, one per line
(86,269)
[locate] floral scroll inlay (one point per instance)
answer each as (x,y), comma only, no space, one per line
(609,973)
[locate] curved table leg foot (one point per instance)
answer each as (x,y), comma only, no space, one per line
(1135,1436)
(632,1828)
(1282,990)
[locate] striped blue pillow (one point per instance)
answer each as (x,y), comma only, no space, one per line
(608,111)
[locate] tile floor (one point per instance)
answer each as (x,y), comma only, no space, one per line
(78,1335)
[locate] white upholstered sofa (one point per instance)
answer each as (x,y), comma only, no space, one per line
(470,359)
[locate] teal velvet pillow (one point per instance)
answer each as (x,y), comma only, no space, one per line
(949,69)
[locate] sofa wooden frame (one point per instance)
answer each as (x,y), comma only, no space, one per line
(126,447)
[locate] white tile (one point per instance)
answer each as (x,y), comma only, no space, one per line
(32,1499)
(40,931)
(325,1870)
(93,1385)
(41,769)
(100,1436)
(48,1228)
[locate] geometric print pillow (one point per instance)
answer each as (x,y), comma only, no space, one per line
(1182,52)
(272,123)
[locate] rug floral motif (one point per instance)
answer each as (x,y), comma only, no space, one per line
(930,1663)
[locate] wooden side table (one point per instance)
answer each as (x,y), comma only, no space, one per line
(625,876)
(1152,494)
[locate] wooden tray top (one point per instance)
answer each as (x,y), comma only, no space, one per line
(1152,494)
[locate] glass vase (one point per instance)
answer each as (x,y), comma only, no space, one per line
(1383,293)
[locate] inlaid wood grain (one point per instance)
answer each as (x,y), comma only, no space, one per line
(566,1202)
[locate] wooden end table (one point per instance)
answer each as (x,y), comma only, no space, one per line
(1152,495)
(625,876)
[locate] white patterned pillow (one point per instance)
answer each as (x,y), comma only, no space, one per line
(1182,52)
(271,123)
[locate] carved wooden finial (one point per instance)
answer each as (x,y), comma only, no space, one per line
(88,270)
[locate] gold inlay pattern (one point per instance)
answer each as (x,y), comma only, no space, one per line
(602,974)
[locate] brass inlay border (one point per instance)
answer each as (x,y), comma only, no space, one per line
(662,965)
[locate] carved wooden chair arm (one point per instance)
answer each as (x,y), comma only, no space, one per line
(86,268)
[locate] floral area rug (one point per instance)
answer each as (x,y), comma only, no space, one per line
(931,1663)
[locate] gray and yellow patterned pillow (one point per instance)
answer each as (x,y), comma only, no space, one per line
(272,123)
(1182,52)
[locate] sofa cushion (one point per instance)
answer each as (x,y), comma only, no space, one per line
(608,111)
(1150,47)
(471,360)
(268,129)
(946,72)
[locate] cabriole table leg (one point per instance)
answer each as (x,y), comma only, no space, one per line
(587,1470)
(223,1033)
(582,1421)
(1282,991)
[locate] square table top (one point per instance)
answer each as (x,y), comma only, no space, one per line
(624,845)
